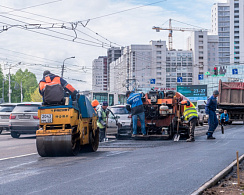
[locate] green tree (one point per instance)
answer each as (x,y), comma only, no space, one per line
(35,96)
(29,85)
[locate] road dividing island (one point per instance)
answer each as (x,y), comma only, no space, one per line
(218,177)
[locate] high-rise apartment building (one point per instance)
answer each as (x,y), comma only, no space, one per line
(205,53)
(100,74)
(132,69)
(179,68)
(113,54)
(146,66)
(228,23)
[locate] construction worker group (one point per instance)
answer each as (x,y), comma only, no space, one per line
(52,88)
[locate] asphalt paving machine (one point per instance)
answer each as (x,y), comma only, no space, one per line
(67,129)
(163,114)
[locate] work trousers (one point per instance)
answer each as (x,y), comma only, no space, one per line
(102,134)
(193,123)
(142,120)
(223,122)
(212,122)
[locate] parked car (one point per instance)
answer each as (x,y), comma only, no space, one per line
(5,111)
(124,121)
(206,116)
(24,119)
(112,124)
(200,118)
(201,111)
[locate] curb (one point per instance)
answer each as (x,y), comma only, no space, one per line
(217,178)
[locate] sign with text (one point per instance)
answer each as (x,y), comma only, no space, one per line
(193,92)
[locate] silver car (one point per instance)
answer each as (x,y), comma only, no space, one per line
(5,111)
(124,122)
(24,119)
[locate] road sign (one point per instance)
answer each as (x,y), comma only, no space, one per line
(235,71)
(152,81)
(200,77)
(179,79)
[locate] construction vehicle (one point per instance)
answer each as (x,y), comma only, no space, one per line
(231,98)
(163,115)
(67,129)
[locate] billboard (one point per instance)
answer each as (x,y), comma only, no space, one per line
(193,92)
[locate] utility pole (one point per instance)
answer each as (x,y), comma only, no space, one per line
(3,89)
(9,87)
(62,72)
(21,92)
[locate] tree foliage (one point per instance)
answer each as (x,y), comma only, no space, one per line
(35,96)
(25,78)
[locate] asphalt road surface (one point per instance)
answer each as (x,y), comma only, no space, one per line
(119,166)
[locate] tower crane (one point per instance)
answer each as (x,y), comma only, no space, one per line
(171,29)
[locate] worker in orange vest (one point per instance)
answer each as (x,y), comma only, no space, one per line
(56,87)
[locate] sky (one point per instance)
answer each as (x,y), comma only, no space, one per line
(38,35)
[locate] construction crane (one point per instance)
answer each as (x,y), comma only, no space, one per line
(171,29)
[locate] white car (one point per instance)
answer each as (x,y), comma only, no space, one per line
(24,119)
(5,111)
(124,122)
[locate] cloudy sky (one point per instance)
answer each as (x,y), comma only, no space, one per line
(38,35)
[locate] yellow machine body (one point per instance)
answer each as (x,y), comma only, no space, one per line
(64,132)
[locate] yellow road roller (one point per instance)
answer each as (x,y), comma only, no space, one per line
(65,130)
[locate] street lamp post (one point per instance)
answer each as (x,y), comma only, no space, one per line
(62,72)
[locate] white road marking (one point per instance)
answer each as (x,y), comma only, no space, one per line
(17,156)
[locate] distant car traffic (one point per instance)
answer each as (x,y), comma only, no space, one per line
(24,119)
(5,111)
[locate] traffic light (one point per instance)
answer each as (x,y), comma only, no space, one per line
(215,71)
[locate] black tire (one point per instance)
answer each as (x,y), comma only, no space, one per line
(118,136)
(15,134)
(201,124)
(93,142)
(75,142)
(1,131)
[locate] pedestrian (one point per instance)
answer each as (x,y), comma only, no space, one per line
(210,109)
(224,118)
(102,121)
(137,110)
(190,115)
(52,88)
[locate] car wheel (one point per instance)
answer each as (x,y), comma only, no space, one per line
(118,136)
(201,123)
(1,131)
(15,134)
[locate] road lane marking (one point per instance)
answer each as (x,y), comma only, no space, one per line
(17,156)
